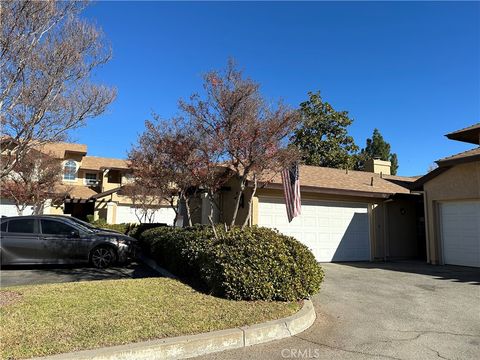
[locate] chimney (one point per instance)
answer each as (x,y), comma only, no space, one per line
(378,166)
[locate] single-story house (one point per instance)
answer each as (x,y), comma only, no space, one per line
(346,215)
(452,204)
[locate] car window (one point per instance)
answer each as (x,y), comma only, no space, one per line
(53,227)
(21,226)
(3,227)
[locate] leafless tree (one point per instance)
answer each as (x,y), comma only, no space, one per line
(33,181)
(145,200)
(47,55)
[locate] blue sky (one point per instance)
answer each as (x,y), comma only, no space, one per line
(410,69)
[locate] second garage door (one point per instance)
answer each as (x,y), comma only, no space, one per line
(460,222)
(334,231)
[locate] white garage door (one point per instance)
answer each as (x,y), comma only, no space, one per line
(460,224)
(126,214)
(8,208)
(334,231)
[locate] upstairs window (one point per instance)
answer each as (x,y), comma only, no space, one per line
(70,170)
(91,179)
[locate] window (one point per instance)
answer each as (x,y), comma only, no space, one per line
(4,226)
(70,170)
(22,226)
(114,177)
(91,179)
(53,227)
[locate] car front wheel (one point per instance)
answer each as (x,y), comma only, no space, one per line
(102,257)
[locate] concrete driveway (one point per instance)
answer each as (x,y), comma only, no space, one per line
(43,274)
(402,310)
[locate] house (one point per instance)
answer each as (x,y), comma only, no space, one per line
(94,186)
(452,204)
(346,215)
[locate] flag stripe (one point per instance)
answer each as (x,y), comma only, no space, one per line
(291,191)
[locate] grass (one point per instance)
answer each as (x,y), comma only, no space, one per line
(57,318)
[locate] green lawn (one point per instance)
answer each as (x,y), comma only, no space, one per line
(56,318)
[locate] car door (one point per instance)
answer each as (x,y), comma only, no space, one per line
(21,243)
(63,240)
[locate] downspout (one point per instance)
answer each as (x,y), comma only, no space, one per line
(427,222)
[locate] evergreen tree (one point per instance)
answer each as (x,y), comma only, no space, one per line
(377,148)
(322,137)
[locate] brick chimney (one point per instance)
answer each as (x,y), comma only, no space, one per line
(378,166)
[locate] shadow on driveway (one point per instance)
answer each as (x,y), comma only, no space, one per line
(454,273)
(47,274)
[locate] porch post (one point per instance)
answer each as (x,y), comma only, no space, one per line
(111,212)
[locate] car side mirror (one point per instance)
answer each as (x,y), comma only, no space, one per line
(75,234)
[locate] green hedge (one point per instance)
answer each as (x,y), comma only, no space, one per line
(251,264)
(102,224)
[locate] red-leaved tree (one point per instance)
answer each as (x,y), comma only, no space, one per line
(249,134)
(162,160)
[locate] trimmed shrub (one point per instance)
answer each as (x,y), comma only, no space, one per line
(136,230)
(251,264)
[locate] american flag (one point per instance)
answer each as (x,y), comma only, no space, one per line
(291,191)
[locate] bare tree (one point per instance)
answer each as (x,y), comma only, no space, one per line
(47,56)
(33,181)
(250,134)
(145,200)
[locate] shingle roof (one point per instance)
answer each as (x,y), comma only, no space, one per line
(98,163)
(58,149)
(76,191)
(470,134)
(469,155)
(351,181)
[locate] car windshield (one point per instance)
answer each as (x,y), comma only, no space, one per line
(82,225)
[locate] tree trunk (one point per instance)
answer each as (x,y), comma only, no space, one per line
(237,201)
(210,216)
(187,211)
(249,203)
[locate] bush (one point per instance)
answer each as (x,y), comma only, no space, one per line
(102,224)
(136,230)
(251,264)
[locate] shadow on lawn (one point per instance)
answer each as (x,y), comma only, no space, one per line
(453,273)
(43,274)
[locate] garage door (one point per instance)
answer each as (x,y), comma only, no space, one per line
(333,231)
(8,208)
(460,229)
(126,214)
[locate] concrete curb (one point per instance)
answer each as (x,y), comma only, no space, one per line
(183,347)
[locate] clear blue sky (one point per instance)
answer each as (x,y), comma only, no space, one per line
(410,69)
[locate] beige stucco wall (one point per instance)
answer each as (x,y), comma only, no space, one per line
(461,182)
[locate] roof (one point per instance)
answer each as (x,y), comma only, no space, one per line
(98,163)
(361,183)
(58,149)
(106,193)
(470,134)
(446,163)
(465,156)
(77,191)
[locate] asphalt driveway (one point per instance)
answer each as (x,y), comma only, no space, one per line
(399,310)
(43,274)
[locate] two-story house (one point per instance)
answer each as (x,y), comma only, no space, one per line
(94,187)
